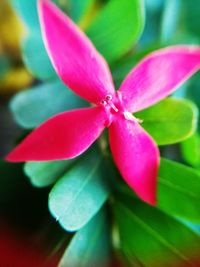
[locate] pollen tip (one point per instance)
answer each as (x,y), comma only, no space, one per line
(108,97)
(140,120)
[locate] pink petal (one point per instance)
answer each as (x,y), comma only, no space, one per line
(63,136)
(136,156)
(158,75)
(73,56)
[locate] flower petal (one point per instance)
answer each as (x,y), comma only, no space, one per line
(73,56)
(63,136)
(158,75)
(136,156)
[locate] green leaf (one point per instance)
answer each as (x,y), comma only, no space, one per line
(63,4)
(79,194)
(153,6)
(170,18)
(191,150)
(193,91)
(152,237)
(181,92)
(117,27)
(27,10)
(43,174)
(151,33)
(179,190)
(90,247)
(122,68)
(34,106)
(36,59)
(79,8)
(190,16)
(170,121)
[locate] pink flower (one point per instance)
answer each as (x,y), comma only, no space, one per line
(84,70)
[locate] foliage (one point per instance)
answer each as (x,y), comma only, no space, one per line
(88,195)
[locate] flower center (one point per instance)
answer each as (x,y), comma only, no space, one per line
(109,104)
(114,108)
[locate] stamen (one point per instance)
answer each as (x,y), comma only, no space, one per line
(108,98)
(104,102)
(110,103)
(113,107)
(130,117)
(139,120)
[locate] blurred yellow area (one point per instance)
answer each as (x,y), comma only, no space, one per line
(15,77)
(11,30)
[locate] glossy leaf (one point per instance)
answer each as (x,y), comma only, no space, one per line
(79,194)
(152,237)
(170,18)
(36,58)
(122,68)
(153,5)
(117,27)
(90,247)
(179,190)
(170,121)
(79,8)
(151,31)
(193,91)
(191,150)
(190,16)
(181,92)
(42,174)
(32,107)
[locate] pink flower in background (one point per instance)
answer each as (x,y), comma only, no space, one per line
(84,70)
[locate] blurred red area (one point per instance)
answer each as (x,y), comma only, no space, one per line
(18,250)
